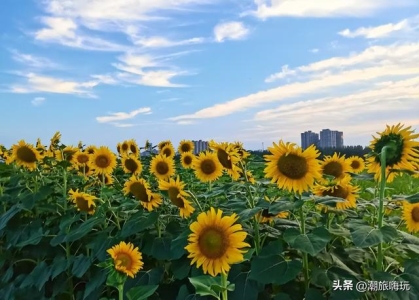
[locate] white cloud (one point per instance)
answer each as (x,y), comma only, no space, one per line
(65,31)
(314,50)
(170,100)
(30,60)
(161,42)
(382,31)
(38,101)
(323,8)
(230,31)
(38,83)
(375,64)
(120,116)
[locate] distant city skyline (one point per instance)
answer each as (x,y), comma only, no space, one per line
(326,139)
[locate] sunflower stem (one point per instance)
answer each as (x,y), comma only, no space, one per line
(224,284)
(305,255)
(67,244)
(381,205)
(121,291)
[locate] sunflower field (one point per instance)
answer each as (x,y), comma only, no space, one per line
(88,222)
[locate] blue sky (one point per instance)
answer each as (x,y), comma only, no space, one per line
(103,71)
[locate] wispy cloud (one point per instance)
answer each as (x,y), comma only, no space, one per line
(121,116)
(323,8)
(161,42)
(382,31)
(170,100)
(33,61)
(375,64)
(38,101)
(230,31)
(314,50)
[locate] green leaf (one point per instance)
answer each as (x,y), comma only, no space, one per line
(81,265)
(328,200)
(311,243)
(284,205)
(38,277)
(138,223)
(248,213)
(5,218)
(413,198)
(181,268)
(246,288)
(263,267)
(177,247)
(161,248)
(364,236)
(203,285)
(80,231)
(59,265)
(273,248)
(313,294)
(95,281)
(141,292)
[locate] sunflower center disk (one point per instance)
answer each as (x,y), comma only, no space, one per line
(292,166)
(124,147)
(102,161)
(82,159)
(333,168)
(212,243)
(131,165)
(415,214)
(26,154)
(133,149)
(185,148)
(139,191)
(355,165)
(124,260)
(224,159)
(82,204)
(338,191)
(174,197)
(267,214)
(187,160)
(162,168)
(208,167)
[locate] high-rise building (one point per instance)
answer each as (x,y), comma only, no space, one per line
(200,146)
(309,138)
(331,139)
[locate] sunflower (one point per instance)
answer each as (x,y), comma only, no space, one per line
(133,147)
(340,189)
(86,171)
(24,155)
(80,158)
(266,217)
(215,242)
(106,179)
(207,167)
(55,140)
(187,159)
(404,155)
(177,195)
(90,149)
(162,167)
(126,258)
(131,164)
(40,147)
(411,216)
(103,160)
(186,146)
(292,168)
(83,201)
(140,189)
(164,143)
(248,177)
(336,166)
(65,154)
(240,150)
(228,157)
(356,163)
(168,150)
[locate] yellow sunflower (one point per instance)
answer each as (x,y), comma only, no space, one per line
(185,146)
(140,189)
(292,168)
(86,171)
(207,167)
(164,143)
(124,147)
(80,158)
(65,154)
(168,150)
(133,147)
(131,165)
(177,195)
(356,163)
(215,243)
(90,149)
(25,155)
(411,216)
(40,147)
(126,258)
(404,155)
(240,150)
(336,166)
(340,189)
(55,140)
(249,176)
(228,157)
(187,159)
(162,167)
(266,217)
(103,161)
(83,201)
